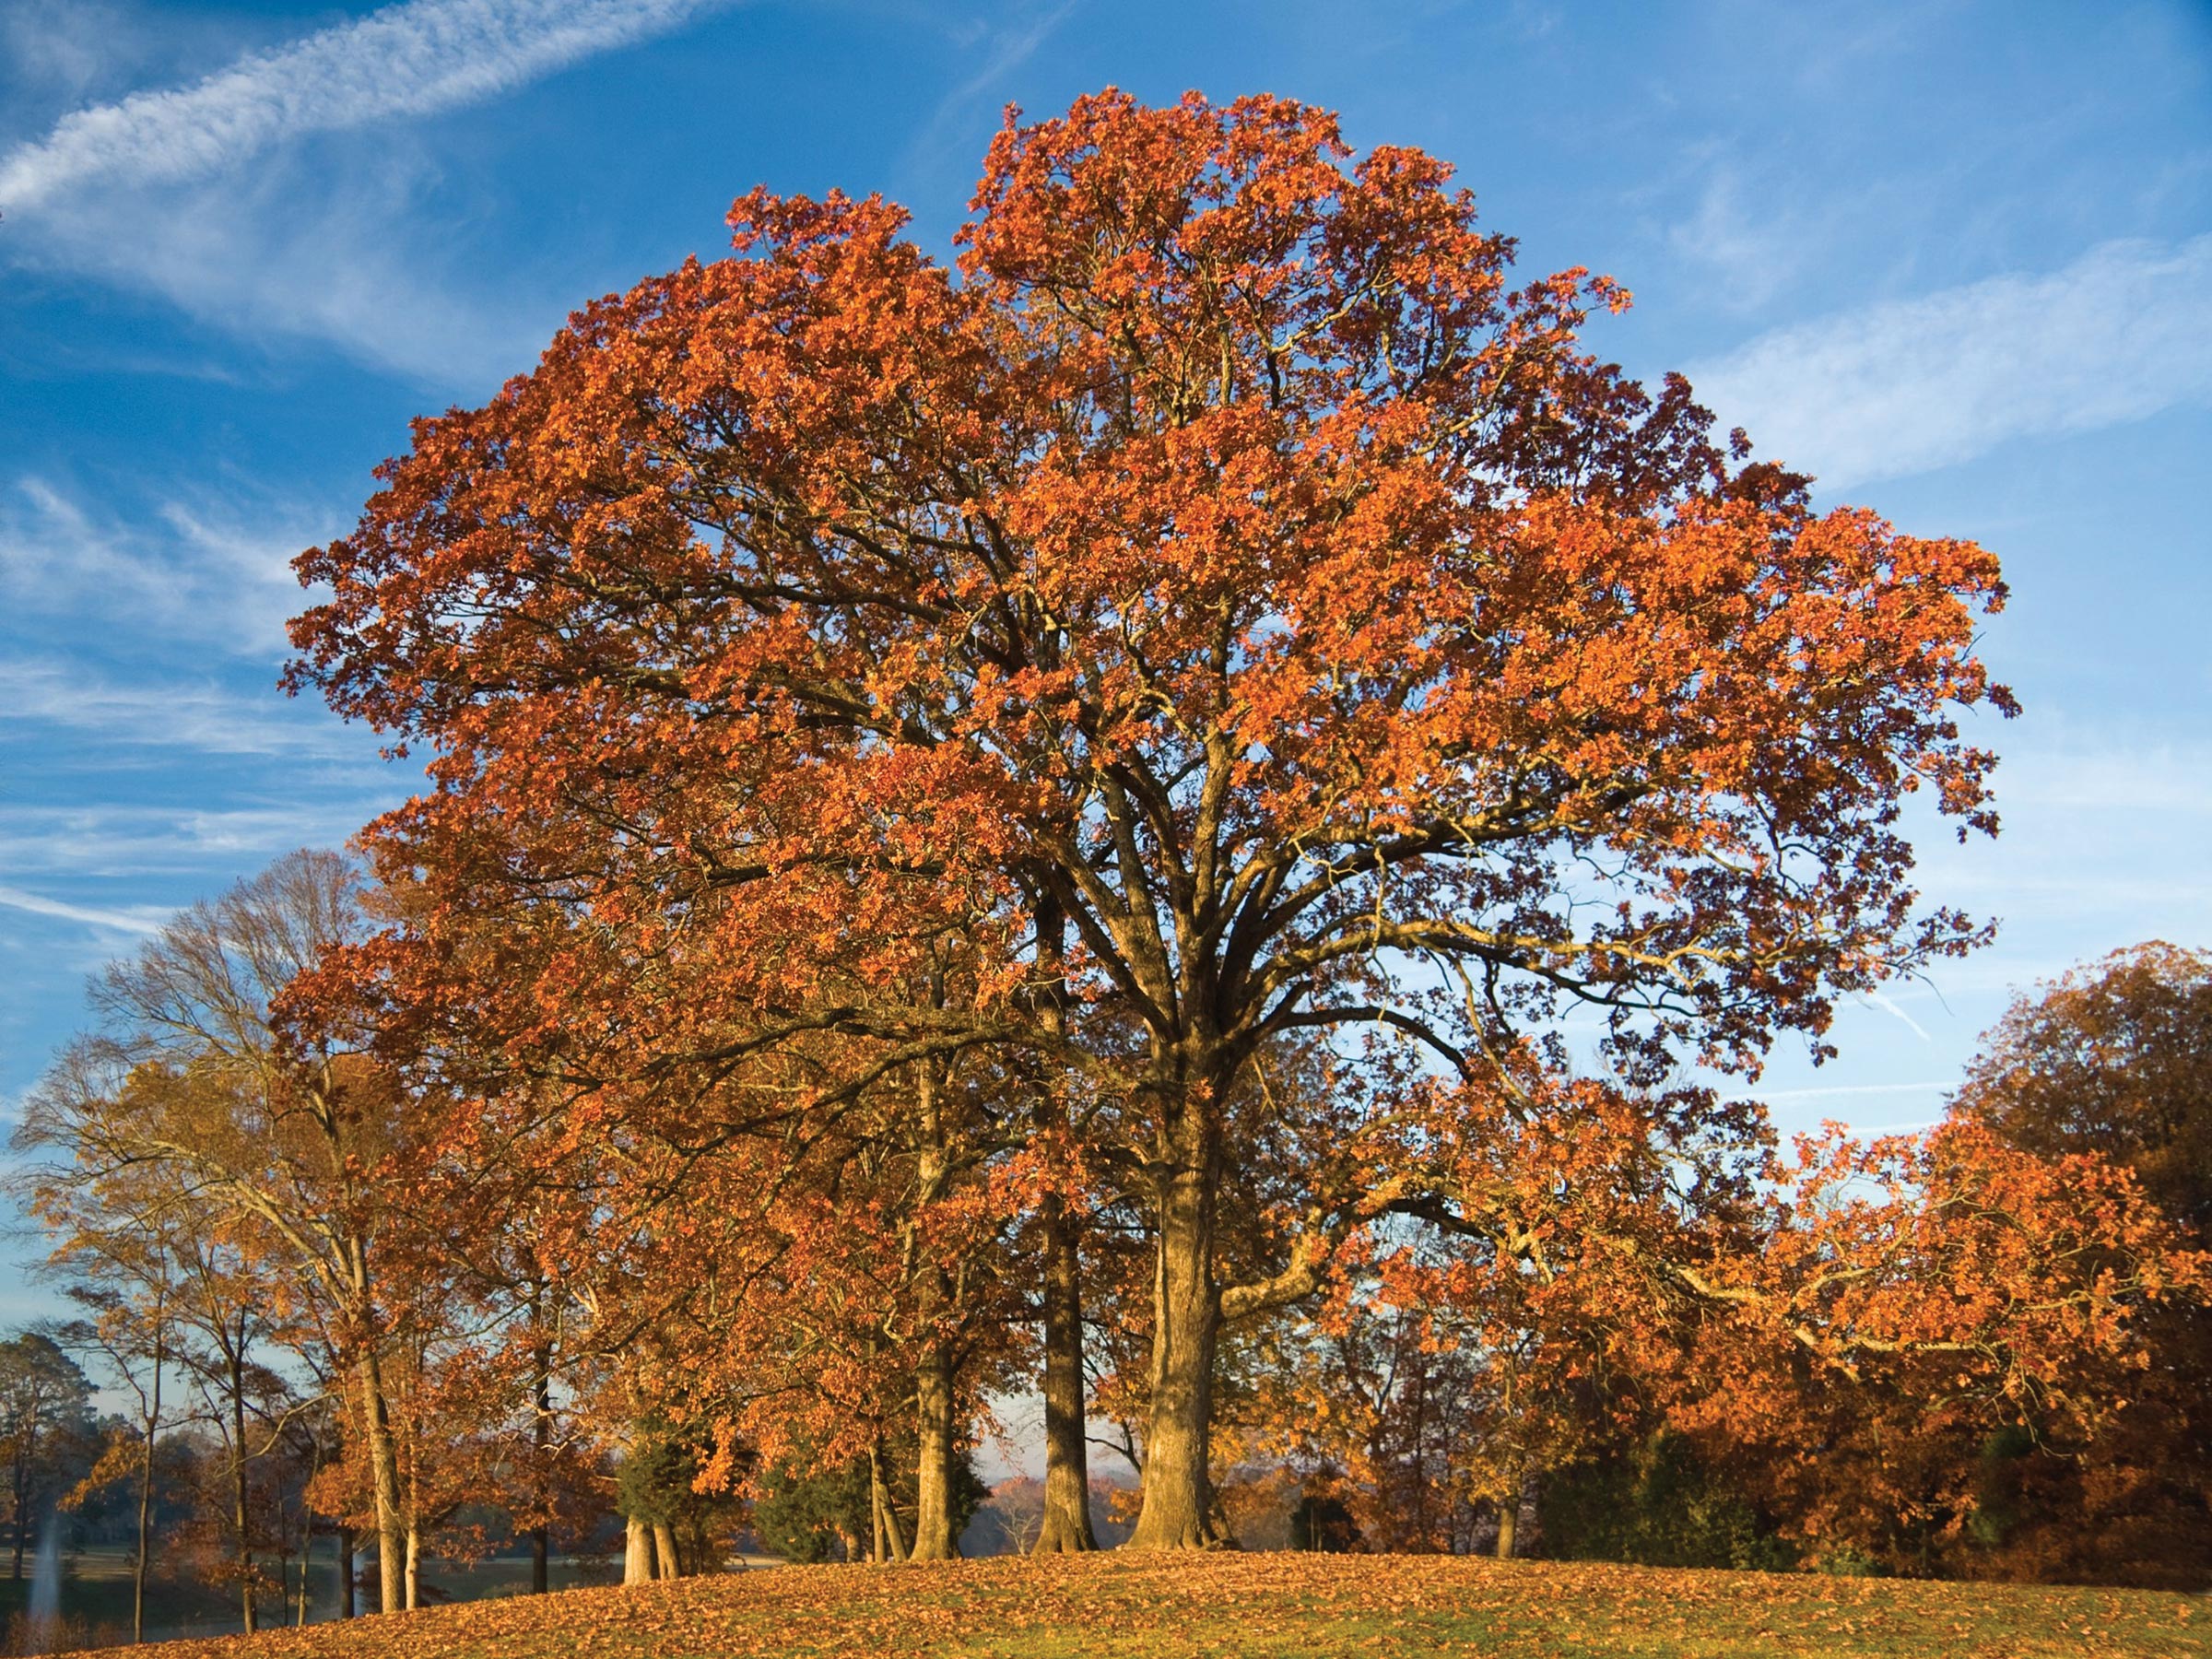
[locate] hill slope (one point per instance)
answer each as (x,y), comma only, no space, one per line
(1303,1605)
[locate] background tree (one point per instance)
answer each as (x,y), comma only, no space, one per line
(127,1328)
(291,1143)
(46,1431)
(2114,1060)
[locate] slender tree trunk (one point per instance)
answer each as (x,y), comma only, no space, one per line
(541,1435)
(25,1445)
(414,1566)
(146,1488)
(934,1539)
(384,1464)
(668,1563)
(307,1560)
(1177,1513)
(238,1479)
(934,1395)
(887,1513)
(346,1572)
(1067,1524)
(637,1551)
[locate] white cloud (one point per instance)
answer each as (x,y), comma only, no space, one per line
(195,576)
(413,59)
(1916,384)
(137,842)
(1856,1090)
(169,715)
(1002,51)
(1751,258)
(137,919)
(211,197)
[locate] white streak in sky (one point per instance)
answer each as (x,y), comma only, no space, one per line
(133,921)
(413,59)
(1916,384)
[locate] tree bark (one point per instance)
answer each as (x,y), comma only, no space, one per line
(1066,1527)
(1509,1509)
(414,1566)
(934,1539)
(637,1551)
(667,1563)
(887,1516)
(236,1359)
(541,1435)
(1176,1511)
(146,1488)
(384,1465)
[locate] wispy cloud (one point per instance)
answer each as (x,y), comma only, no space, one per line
(1857,1090)
(171,715)
(415,59)
(1002,49)
(1750,256)
(187,568)
(137,842)
(214,196)
(136,919)
(1916,384)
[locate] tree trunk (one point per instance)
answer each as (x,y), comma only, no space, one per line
(637,1551)
(934,1539)
(145,1490)
(1177,1510)
(1067,1524)
(887,1516)
(541,1435)
(307,1559)
(238,1479)
(384,1464)
(1509,1509)
(414,1566)
(346,1569)
(667,1563)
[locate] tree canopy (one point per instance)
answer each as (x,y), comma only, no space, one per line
(1219,606)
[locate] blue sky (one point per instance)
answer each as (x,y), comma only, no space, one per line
(1951,257)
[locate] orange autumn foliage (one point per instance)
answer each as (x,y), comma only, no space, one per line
(1226,562)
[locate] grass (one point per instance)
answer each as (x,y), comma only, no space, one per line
(1268,1607)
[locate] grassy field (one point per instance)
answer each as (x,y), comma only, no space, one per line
(1284,1606)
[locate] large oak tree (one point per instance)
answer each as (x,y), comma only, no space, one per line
(1223,569)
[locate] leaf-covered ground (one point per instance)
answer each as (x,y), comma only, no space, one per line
(1293,1607)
